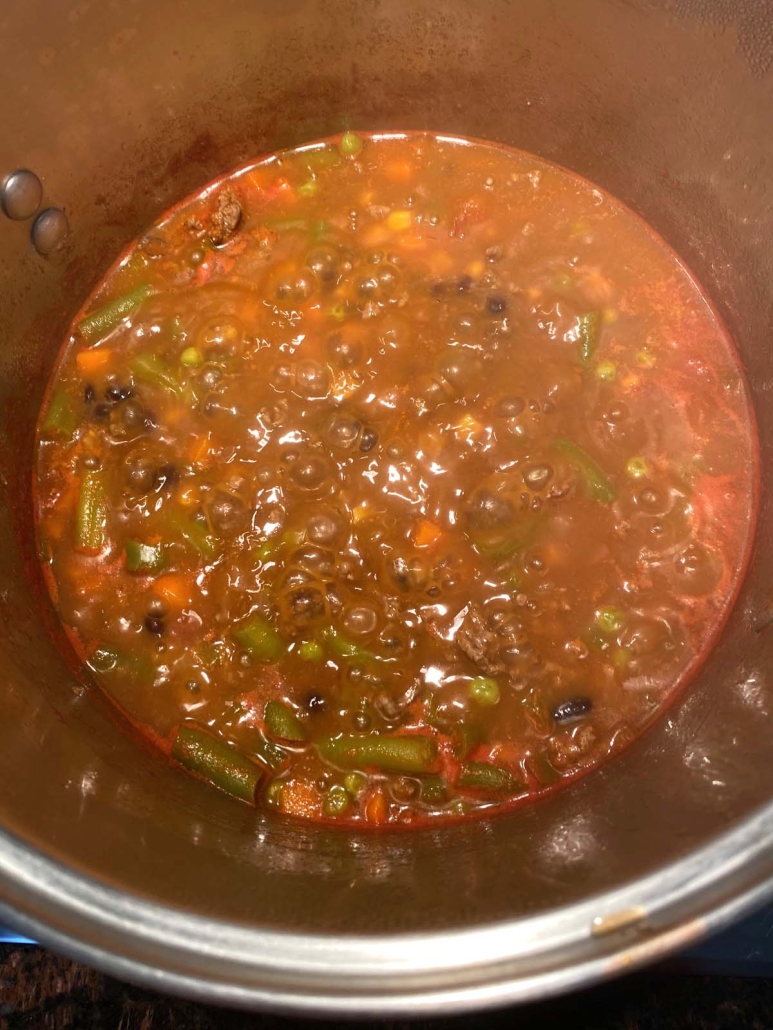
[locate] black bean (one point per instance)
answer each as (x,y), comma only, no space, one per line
(118,393)
(487,510)
(573,709)
(154,625)
(464,284)
(102,412)
(211,376)
(227,513)
(343,431)
(307,604)
(324,527)
(537,476)
(368,440)
(89,393)
(312,379)
(310,472)
(324,262)
(509,407)
(315,703)
(495,305)
(344,352)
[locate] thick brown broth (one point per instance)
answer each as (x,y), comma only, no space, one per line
(395,478)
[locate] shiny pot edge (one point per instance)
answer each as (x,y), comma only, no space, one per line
(399,975)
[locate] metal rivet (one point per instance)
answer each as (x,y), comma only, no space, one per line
(48,230)
(21,194)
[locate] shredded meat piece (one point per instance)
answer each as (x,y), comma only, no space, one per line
(193,225)
(478,642)
(567,750)
(226,218)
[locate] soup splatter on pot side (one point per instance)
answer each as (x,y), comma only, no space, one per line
(394,479)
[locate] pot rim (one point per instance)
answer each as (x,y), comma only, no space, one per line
(173,951)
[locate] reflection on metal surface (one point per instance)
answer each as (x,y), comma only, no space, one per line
(632,918)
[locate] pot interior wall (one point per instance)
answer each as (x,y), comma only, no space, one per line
(123,109)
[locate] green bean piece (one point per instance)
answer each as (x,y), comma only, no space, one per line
(499,546)
(596,481)
(146,558)
(311,651)
(487,776)
(100,322)
(465,735)
(259,639)
(197,535)
(91,513)
(318,229)
(60,418)
(282,722)
(217,762)
(414,754)
(105,659)
(434,790)
(589,328)
(350,144)
(344,647)
(150,368)
(269,753)
(321,157)
(336,801)
(209,653)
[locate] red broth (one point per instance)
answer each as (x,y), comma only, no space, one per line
(395,479)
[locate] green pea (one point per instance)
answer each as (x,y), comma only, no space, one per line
(350,144)
(337,311)
(609,620)
(336,801)
(484,691)
(192,357)
(606,370)
(311,651)
(308,188)
(355,783)
(637,468)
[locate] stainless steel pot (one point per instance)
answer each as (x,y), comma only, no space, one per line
(108,854)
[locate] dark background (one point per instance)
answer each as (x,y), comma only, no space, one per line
(41,991)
